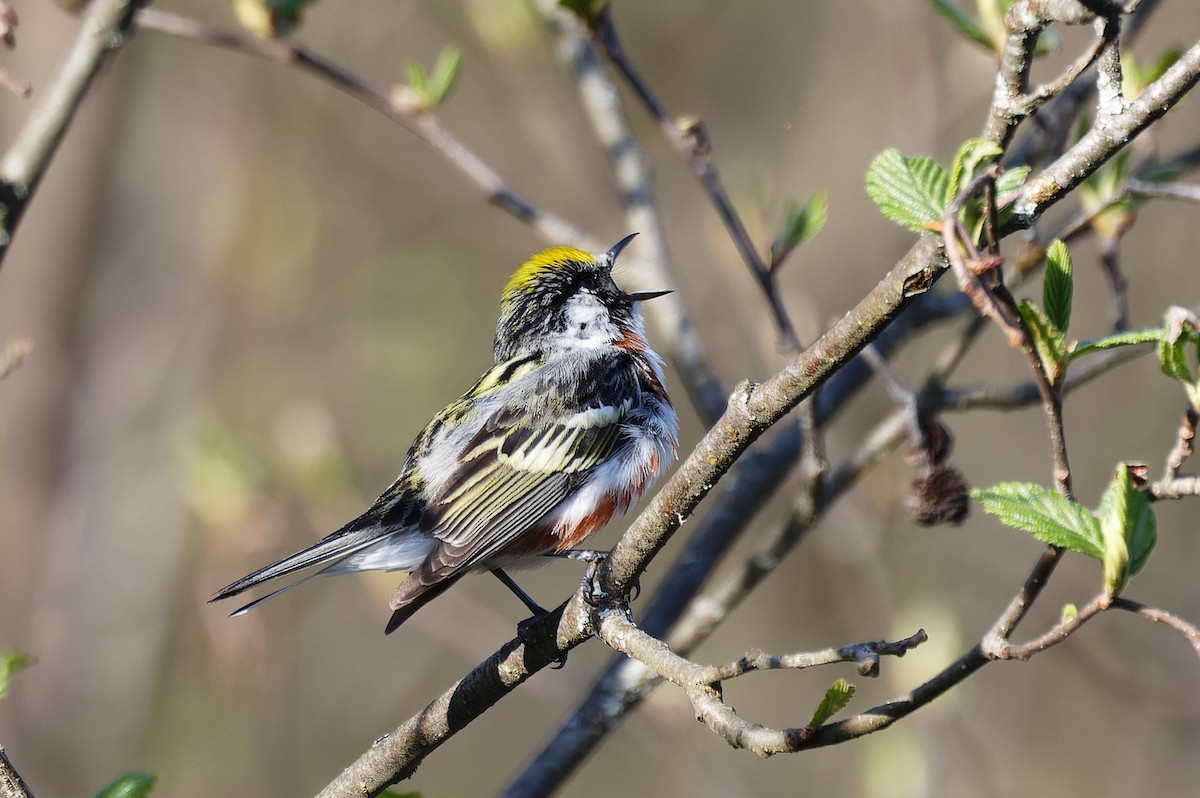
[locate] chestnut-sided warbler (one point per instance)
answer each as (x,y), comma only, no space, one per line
(567,429)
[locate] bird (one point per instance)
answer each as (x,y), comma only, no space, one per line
(568,428)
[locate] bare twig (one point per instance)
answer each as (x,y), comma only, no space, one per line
(1105,140)
(691,142)
(602,103)
(103,29)
(865,655)
(420,122)
(11,783)
(1176,191)
(1012,100)
(751,410)
(1118,286)
(1188,630)
(702,685)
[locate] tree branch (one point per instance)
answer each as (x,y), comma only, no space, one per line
(103,29)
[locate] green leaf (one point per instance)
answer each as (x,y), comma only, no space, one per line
(963,23)
(1069,613)
(1136,76)
(441,80)
(269,18)
(836,698)
(1010,180)
(971,155)
(394,794)
(1180,329)
(131,785)
(1113,514)
(909,191)
(10,663)
(1058,285)
(991,19)
(432,88)
(1049,342)
(417,81)
(1129,528)
(586,10)
(1044,514)
(1143,531)
(1048,42)
(1144,335)
(802,224)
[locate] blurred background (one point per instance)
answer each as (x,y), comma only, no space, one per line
(247,293)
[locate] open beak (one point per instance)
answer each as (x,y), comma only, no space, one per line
(611,255)
(642,296)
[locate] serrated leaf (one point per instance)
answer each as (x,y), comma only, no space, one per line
(10,663)
(963,23)
(1048,341)
(445,70)
(1044,514)
(836,698)
(909,191)
(1058,285)
(967,160)
(801,224)
(1144,335)
(131,785)
(1143,531)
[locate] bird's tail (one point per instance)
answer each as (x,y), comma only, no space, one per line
(330,551)
(412,594)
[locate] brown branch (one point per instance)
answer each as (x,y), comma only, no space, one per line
(606,113)
(702,684)
(691,142)
(422,123)
(1025,21)
(103,29)
(752,410)
(1105,140)
(11,783)
(1188,630)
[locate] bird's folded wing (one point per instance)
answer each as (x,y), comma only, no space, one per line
(516,470)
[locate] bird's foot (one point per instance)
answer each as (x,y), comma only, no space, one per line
(525,632)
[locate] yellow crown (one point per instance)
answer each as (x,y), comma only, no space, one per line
(524,278)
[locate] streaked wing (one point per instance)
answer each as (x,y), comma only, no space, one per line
(520,465)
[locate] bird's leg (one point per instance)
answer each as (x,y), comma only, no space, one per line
(537,609)
(539,612)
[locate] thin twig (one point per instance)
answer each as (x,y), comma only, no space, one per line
(702,685)
(420,122)
(11,783)
(751,411)
(693,146)
(1188,630)
(103,29)
(606,113)
(1103,141)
